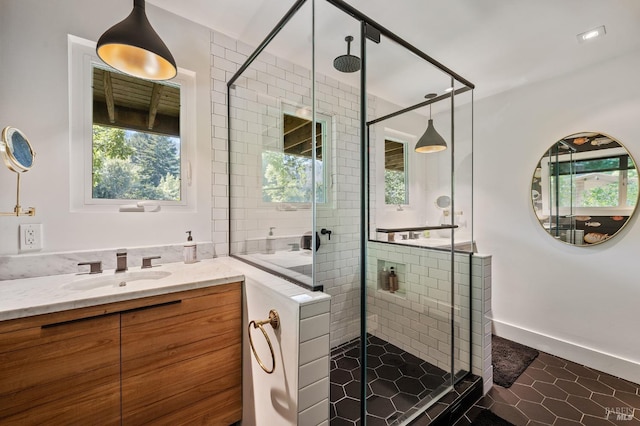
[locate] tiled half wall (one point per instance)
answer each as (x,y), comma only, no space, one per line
(417,317)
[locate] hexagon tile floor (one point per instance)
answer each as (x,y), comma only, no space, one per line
(554,391)
(396,381)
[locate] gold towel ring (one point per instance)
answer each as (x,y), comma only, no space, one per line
(274,320)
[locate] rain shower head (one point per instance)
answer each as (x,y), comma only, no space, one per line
(348,62)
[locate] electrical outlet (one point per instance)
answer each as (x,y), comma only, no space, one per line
(31,237)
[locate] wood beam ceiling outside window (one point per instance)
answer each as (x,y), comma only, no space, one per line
(131,103)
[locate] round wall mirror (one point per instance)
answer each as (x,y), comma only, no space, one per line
(585,188)
(16,150)
(443,202)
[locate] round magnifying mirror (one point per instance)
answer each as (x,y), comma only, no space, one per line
(585,188)
(443,201)
(16,150)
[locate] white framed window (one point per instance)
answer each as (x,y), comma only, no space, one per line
(131,140)
(396,172)
(289,172)
(591,182)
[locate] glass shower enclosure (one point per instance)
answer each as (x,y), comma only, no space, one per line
(326,191)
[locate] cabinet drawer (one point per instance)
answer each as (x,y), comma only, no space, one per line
(181,362)
(66,373)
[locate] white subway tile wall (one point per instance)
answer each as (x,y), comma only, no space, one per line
(417,318)
(256,109)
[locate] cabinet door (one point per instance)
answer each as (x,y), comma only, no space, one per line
(60,373)
(181,361)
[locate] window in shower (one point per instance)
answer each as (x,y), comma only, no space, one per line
(288,173)
(395,172)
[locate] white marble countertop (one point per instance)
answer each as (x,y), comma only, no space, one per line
(41,295)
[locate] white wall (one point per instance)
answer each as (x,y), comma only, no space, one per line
(34,93)
(576,302)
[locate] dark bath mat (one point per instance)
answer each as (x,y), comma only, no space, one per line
(488,418)
(510,359)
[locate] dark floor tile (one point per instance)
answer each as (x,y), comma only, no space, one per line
(566,422)
(392,359)
(550,390)
(595,421)
(353,352)
(340,377)
(573,388)
(380,406)
(560,373)
(540,375)
(431,381)
(388,372)
(373,361)
(510,413)
(339,421)
(336,392)
(375,350)
(435,410)
(526,392)
(525,379)
(618,384)
(404,401)
(463,421)
(502,395)
(412,370)
(536,412)
(562,409)
(410,385)
(631,399)
(581,370)
(485,402)
(571,394)
(549,359)
(585,405)
(392,349)
(348,363)
(348,408)
(607,400)
(352,389)
(384,387)
(595,386)
(374,421)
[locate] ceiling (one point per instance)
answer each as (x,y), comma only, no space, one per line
(496,44)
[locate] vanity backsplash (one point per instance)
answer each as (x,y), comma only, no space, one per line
(42,264)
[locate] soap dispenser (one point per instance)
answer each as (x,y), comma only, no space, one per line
(190,253)
(271,241)
(393,281)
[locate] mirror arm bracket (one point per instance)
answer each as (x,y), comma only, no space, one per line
(17,211)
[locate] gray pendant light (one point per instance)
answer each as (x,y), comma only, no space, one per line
(430,141)
(133,47)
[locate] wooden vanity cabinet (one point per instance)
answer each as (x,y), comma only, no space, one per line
(181,360)
(169,359)
(58,370)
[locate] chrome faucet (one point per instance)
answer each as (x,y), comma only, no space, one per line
(121,260)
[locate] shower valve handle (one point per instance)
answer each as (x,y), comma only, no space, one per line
(325,231)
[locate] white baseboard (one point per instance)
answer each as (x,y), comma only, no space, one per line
(602,361)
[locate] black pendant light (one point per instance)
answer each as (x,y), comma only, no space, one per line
(430,141)
(133,47)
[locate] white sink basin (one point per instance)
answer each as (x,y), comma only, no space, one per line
(121,279)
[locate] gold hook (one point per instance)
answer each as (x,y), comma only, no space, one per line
(274,320)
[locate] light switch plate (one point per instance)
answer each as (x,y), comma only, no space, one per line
(30,237)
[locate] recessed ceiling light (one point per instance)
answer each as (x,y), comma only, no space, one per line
(591,34)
